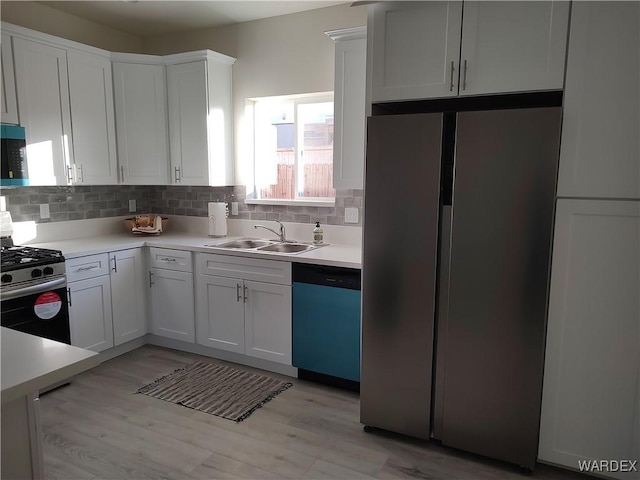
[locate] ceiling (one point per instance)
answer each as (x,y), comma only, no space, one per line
(157,17)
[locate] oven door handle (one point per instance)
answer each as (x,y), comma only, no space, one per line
(33,289)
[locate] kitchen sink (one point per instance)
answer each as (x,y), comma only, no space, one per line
(287,248)
(244,244)
(260,245)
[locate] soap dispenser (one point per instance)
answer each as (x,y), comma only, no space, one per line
(317,234)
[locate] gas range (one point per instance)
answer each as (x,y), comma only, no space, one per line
(22,266)
(33,289)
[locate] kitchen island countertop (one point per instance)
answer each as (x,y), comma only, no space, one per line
(30,363)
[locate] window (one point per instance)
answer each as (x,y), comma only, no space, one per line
(293,148)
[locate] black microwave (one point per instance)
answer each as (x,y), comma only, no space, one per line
(14,156)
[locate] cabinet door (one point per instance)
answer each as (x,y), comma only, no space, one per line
(600,143)
(221,313)
(90,314)
(128,297)
(94,136)
(416,49)
(349,101)
(267,322)
(141,123)
(43,96)
(188,119)
(590,402)
(9,103)
(172,305)
(513,46)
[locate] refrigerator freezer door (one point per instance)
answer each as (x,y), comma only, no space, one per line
(503,206)
(402,181)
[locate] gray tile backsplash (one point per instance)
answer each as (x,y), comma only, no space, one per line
(84,202)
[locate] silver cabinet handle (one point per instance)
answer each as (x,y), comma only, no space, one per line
(176,172)
(80,174)
(453,68)
(464,76)
(151,282)
(167,259)
(122,173)
(69,296)
(238,295)
(246,297)
(86,269)
(115,264)
(69,174)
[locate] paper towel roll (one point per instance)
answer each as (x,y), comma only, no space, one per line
(217,219)
(6,225)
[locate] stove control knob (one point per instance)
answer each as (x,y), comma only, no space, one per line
(48,270)
(36,272)
(6,278)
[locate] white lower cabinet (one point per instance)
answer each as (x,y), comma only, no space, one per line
(107,306)
(591,401)
(239,313)
(171,287)
(128,300)
(220,313)
(90,314)
(267,321)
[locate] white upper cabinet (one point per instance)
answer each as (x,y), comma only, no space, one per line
(349,106)
(442,49)
(9,103)
(43,96)
(600,142)
(94,136)
(200,126)
(141,123)
(513,46)
(416,49)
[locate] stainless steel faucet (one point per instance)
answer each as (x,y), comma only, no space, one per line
(282,230)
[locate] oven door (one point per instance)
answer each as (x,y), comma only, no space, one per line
(40,310)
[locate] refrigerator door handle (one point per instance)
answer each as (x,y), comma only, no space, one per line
(442,318)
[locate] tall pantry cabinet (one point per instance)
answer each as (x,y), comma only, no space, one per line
(591,394)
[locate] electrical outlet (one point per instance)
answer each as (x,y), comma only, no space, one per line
(132,206)
(350,215)
(234,208)
(3,203)
(44,210)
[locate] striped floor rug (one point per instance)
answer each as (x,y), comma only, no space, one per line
(216,389)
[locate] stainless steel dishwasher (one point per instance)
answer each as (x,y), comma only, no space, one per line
(326,324)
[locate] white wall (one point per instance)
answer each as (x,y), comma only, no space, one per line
(40,17)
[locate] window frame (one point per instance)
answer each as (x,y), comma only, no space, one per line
(296,100)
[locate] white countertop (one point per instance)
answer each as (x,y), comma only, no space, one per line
(30,363)
(333,255)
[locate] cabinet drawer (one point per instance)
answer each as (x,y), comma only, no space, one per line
(170,259)
(269,271)
(90,266)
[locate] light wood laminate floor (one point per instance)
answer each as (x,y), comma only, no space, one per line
(97,428)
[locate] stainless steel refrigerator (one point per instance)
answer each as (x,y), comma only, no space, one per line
(458,223)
